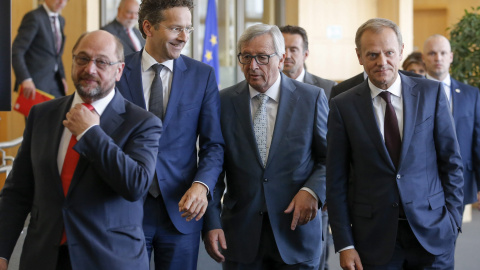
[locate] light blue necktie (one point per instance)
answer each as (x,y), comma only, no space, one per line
(260,127)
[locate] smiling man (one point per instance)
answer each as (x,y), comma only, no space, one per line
(183,93)
(123,26)
(274,129)
(394,136)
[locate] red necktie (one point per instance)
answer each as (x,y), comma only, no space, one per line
(69,165)
(129,33)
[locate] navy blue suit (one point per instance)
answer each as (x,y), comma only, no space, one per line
(428,182)
(193,111)
(466,114)
(296,159)
(102,211)
(118,30)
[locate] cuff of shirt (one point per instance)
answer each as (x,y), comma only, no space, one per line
(346,248)
(311,192)
(208,190)
(83,133)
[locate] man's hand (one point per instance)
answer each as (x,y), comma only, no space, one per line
(28,89)
(304,207)
(79,118)
(65,86)
(194,202)
(3,264)
(212,239)
(350,260)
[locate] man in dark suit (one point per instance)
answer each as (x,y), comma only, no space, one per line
(395,136)
(182,92)
(124,28)
(296,53)
(97,201)
(464,103)
(274,129)
(37,51)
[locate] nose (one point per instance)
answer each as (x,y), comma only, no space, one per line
(287,53)
(91,67)
(253,64)
(381,60)
(183,36)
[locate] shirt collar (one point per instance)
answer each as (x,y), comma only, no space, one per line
(446,81)
(395,89)
(98,105)
(301,77)
(148,61)
(49,12)
(273,92)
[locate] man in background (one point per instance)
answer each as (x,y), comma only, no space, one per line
(183,93)
(274,129)
(85,163)
(123,26)
(296,53)
(37,51)
(464,104)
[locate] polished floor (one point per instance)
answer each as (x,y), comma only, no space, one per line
(466,257)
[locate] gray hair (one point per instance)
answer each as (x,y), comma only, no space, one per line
(376,25)
(261,29)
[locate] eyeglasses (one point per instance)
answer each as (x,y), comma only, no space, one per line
(261,59)
(101,63)
(178,30)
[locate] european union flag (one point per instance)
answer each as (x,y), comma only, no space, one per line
(210,43)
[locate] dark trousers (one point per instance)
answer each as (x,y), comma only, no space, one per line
(171,249)
(268,256)
(410,255)
(63,261)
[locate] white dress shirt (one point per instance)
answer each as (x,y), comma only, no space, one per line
(301,77)
(99,106)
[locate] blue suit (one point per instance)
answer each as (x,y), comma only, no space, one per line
(466,114)
(428,182)
(193,111)
(102,212)
(296,159)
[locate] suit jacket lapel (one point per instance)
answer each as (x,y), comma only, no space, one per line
(110,120)
(457,99)
(176,90)
(364,107)
(410,106)
(309,79)
(48,26)
(243,113)
(286,108)
(133,77)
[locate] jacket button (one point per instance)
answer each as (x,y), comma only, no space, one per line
(261,213)
(265,180)
(398,176)
(395,205)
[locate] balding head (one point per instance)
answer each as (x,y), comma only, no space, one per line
(437,55)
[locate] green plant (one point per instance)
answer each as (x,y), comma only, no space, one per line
(465,42)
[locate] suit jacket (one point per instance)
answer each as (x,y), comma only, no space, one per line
(34,54)
(358,79)
(117,29)
(296,159)
(466,114)
(428,182)
(193,111)
(102,214)
(325,84)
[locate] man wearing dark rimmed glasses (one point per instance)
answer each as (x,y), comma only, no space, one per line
(85,163)
(183,93)
(275,147)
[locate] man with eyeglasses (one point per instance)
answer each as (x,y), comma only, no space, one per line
(85,164)
(123,27)
(183,93)
(275,148)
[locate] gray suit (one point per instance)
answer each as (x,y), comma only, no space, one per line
(118,30)
(296,159)
(34,54)
(325,84)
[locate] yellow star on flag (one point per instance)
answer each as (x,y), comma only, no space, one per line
(213,40)
(208,55)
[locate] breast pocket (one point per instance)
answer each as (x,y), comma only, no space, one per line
(424,125)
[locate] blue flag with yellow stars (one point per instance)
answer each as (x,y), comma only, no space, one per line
(210,43)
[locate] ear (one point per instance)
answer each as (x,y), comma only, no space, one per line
(306,53)
(451,57)
(359,56)
(401,51)
(280,63)
(118,75)
(147,28)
